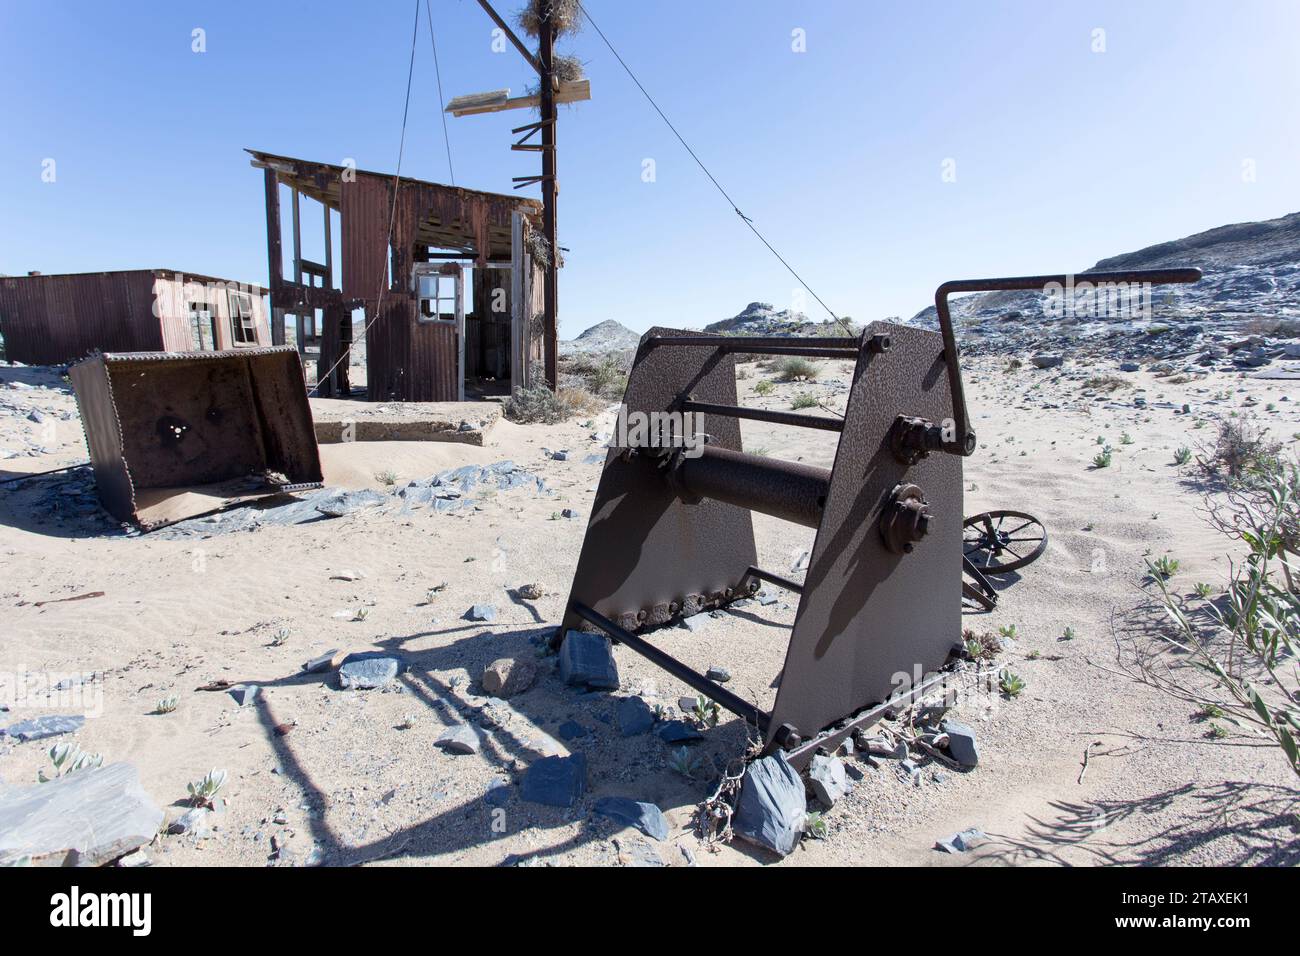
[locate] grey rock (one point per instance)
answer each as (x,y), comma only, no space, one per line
(962,841)
(36,415)
(86,818)
(646,817)
(497,793)
(571,730)
(679,732)
(38,728)
(482,612)
(1130,367)
(695,623)
(634,716)
(460,739)
(244,694)
(827,780)
(368,673)
(587,660)
(193,822)
(1044,360)
(719,674)
(323,663)
(555,781)
(136,859)
(495,713)
(509,676)
(772,809)
(340,503)
(961,743)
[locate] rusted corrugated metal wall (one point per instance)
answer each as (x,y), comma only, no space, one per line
(406,359)
(49,320)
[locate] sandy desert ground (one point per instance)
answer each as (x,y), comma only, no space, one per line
(357,777)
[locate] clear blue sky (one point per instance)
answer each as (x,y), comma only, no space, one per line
(1062,155)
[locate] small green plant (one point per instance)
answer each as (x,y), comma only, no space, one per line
(1101,439)
(69,758)
(281,637)
(815,826)
(980,647)
(1183,455)
(1211,712)
(1126,439)
(1069,635)
(202,791)
(1034,655)
(764,387)
(797,369)
(684,762)
(167,705)
(1216,732)
(1007,631)
(1202,590)
(1163,567)
(803,400)
(1103,458)
(660,712)
(387,477)
(362,614)
(706,712)
(1010,683)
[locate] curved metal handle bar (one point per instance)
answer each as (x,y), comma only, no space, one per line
(965,442)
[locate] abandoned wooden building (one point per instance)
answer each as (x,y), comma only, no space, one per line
(53,319)
(433,333)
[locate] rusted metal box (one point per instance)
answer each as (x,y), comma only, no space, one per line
(177,434)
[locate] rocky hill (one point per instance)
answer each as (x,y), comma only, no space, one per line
(607,336)
(762,318)
(1249,299)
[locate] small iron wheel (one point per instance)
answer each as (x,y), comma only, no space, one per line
(999,542)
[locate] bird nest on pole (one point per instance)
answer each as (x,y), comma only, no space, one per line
(567,69)
(566,16)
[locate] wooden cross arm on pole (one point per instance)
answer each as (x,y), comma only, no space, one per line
(496,101)
(526,53)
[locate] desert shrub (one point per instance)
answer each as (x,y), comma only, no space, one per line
(803,400)
(764,387)
(1240,449)
(1274,327)
(1248,643)
(797,369)
(1106,383)
(606,378)
(537,404)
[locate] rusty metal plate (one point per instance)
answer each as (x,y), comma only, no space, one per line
(648,555)
(175,434)
(870,622)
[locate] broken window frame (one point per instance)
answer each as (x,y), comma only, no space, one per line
(243,324)
(438,274)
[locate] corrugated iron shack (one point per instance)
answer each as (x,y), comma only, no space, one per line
(53,319)
(453,307)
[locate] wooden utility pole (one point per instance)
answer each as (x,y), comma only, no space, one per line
(550,95)
(550,189)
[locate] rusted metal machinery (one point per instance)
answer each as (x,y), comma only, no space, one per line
(996,543)
(176,434)
(879,614)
